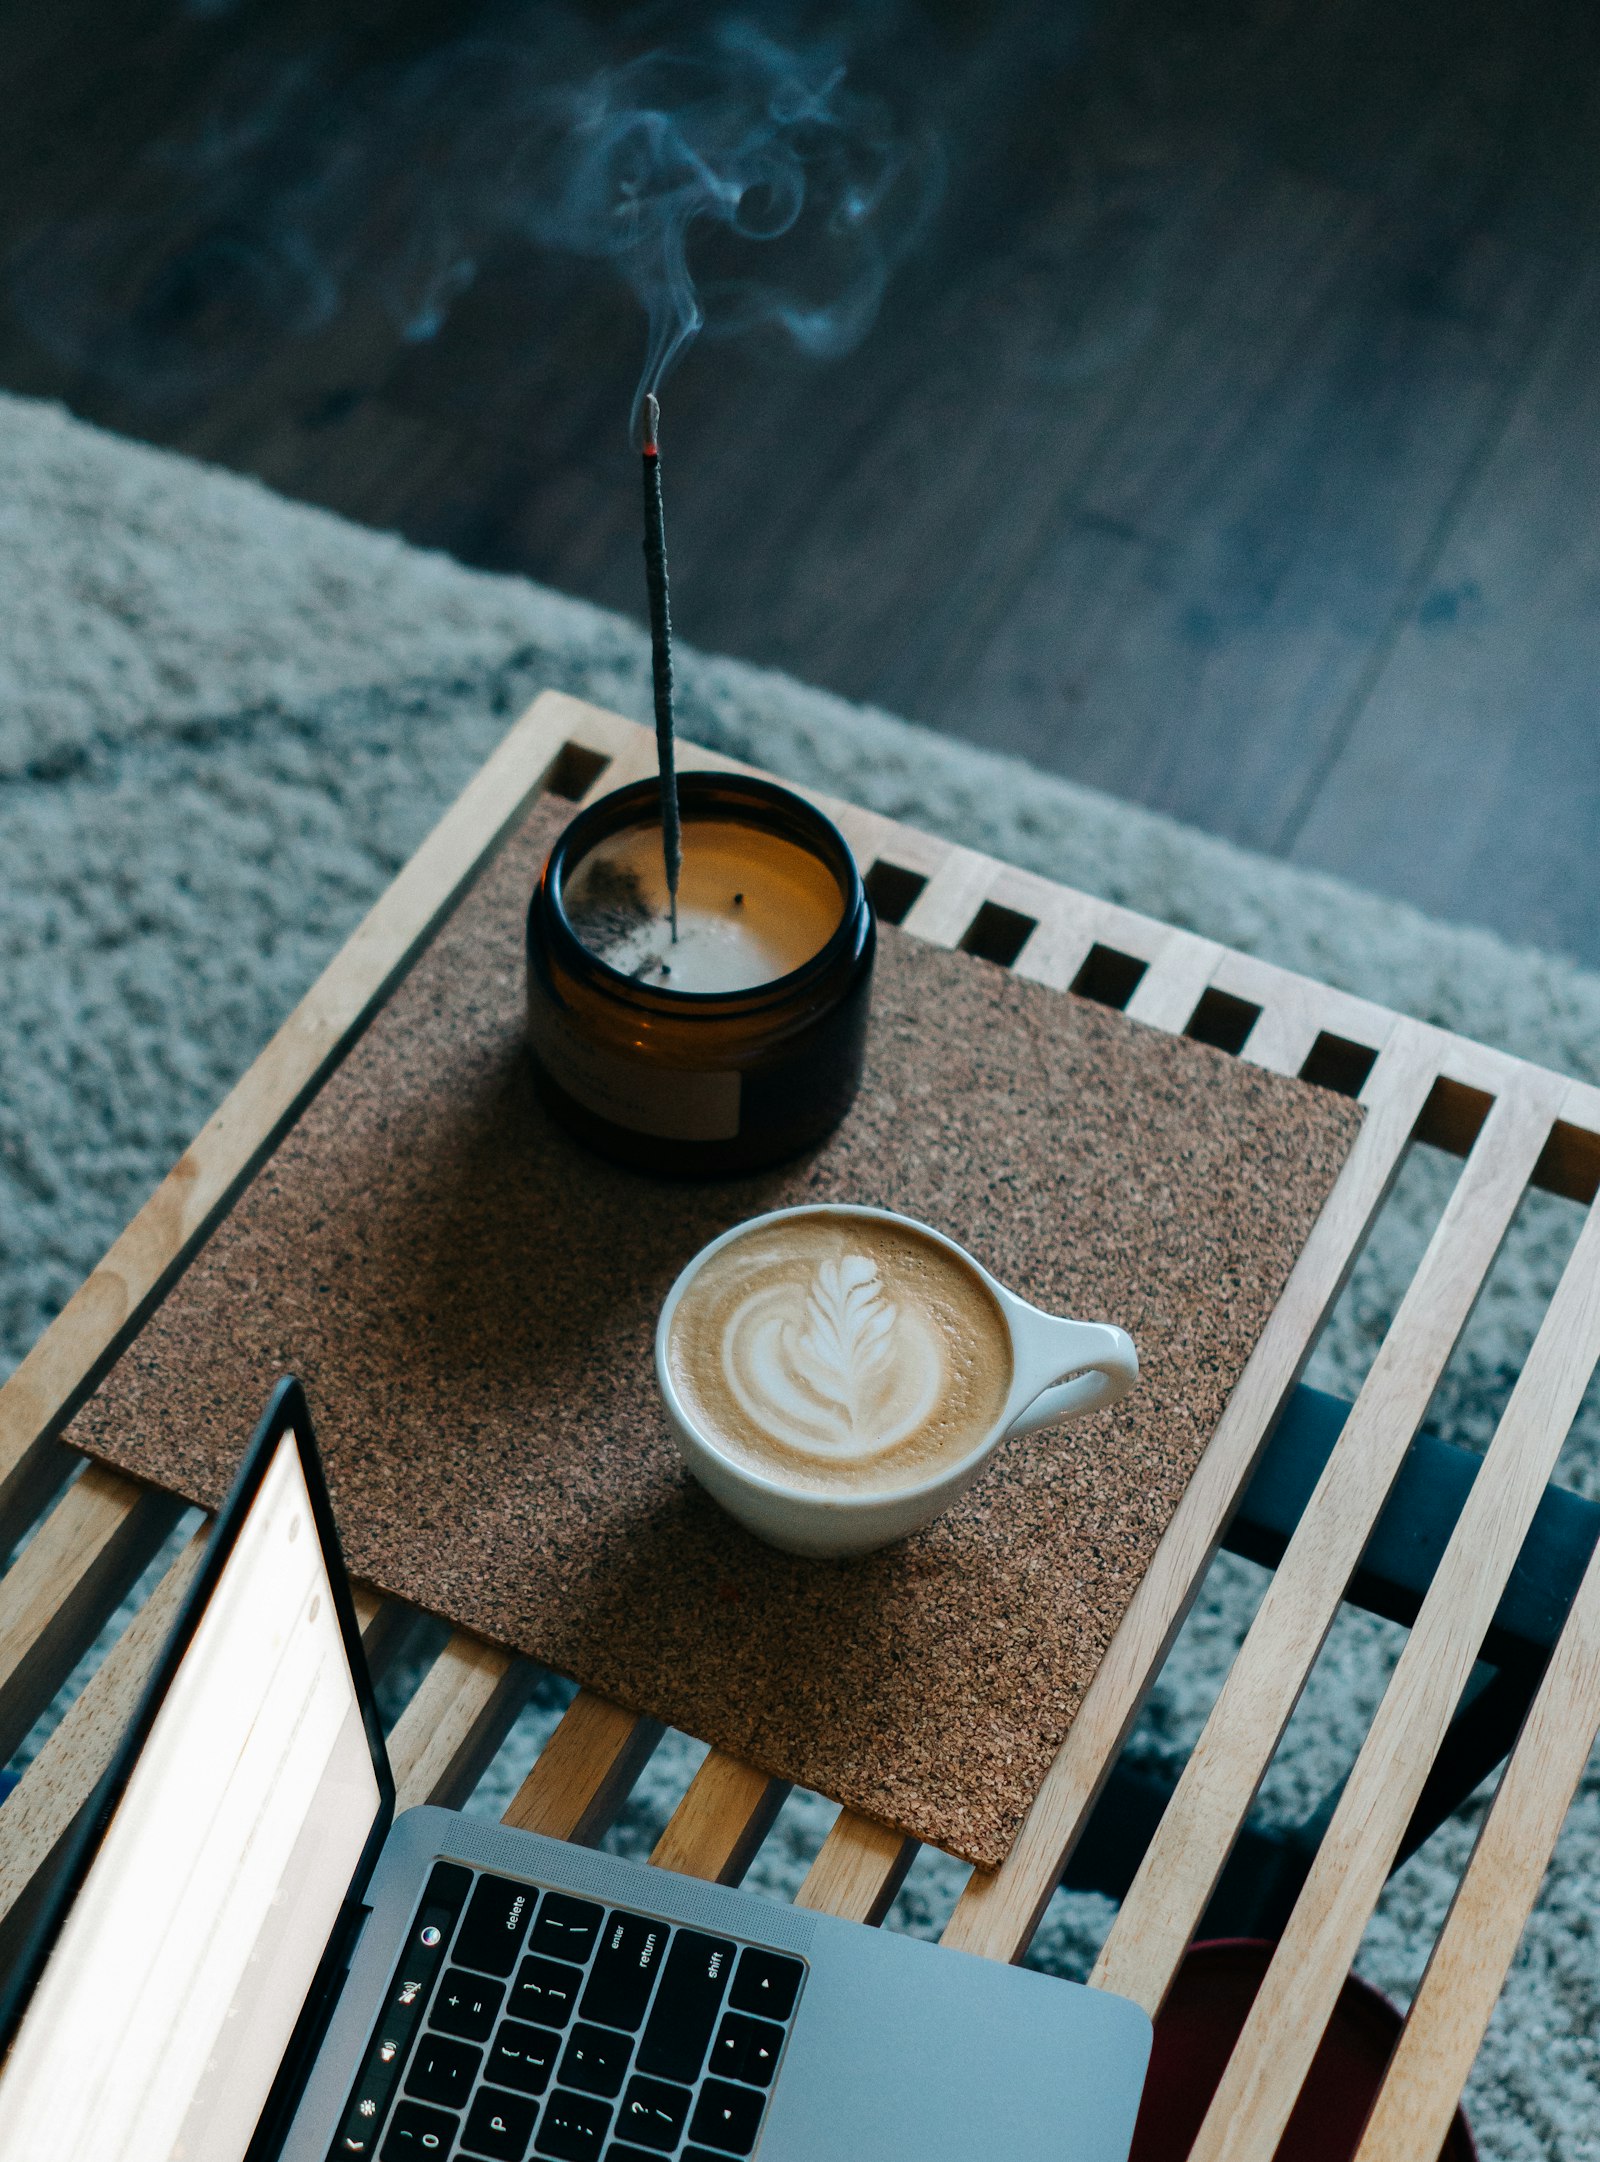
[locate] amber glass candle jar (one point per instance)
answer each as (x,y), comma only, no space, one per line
(741,1041)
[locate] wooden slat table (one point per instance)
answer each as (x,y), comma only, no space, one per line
(94,1531)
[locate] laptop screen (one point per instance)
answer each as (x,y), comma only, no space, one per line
(168,1999)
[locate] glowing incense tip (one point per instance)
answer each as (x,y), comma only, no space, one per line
(652,423)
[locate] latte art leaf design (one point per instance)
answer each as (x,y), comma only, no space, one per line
(845,1342)
(842,1372)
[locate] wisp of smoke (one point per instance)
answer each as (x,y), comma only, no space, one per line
(731,181)
(746,143)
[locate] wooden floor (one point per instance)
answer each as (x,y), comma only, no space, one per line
(1231,442)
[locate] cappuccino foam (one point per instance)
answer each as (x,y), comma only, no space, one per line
(840,1353)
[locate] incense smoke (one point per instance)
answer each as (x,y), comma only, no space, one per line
(743,143)
(731,180)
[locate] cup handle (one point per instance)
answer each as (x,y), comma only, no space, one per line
(1100,1360)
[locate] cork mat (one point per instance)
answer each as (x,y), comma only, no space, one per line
(470,1297)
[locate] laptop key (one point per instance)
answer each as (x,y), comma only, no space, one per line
(466,2005)
(545,1990)
(445,1895)
(402,2012)
(767,1982)
(624,1971)
(523,2057)
(419,2135)
(693,1981)
(443,2071)
(566,1928)
(494,1925)
(653,2114)
(499,2126)
(747,2048)
(574,2127)
(727,2118)
(595,2060)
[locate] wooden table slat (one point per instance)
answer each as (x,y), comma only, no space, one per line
(462,1711)
(1219,1782)
(631,759)
(858,1870)
(1000,1909)
(950,900)
(1296,1009)
(1059,946)
(877,839)
(1282,1040)
(717,1828)
(38,1476)
(41,1810)
(391,1631)
(1172,986)
(66,1584)
(585,1771)
(1451,2011)
(1297,1997)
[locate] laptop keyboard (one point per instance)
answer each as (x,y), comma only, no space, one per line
(522,2023)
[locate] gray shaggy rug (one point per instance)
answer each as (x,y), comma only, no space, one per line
(225,721)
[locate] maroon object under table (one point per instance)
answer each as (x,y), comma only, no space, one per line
(1201,2020)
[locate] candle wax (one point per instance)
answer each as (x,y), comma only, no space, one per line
(751,906)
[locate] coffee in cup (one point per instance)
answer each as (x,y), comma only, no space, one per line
(839,1352)
(836,1376)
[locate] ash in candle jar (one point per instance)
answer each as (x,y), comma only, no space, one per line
(752,906)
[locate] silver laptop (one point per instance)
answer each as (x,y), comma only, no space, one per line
(244,1955)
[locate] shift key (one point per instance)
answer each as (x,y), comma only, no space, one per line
(692,1986)
(624,1971)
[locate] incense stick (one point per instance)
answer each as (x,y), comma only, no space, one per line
(655,572)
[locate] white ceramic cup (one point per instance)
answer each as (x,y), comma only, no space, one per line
(1059,1369)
